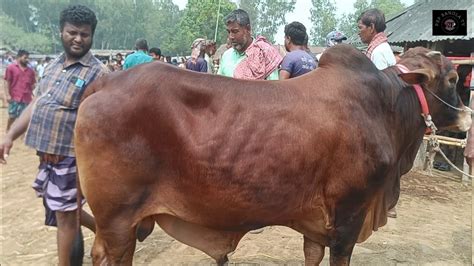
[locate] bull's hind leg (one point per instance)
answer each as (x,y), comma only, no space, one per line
(214,243)
(115,241)
(313,252)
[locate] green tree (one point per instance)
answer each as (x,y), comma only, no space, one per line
(388,7)
(120,23)
(20,12)
(16,38)
(199,21)
(165,17)
(114,30)
(323,19)
(266,16)
(348,23)
(252,8)
(360,6)
(48,21)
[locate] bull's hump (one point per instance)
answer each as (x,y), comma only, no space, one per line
(346,56)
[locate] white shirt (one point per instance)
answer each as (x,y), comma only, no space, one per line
(382,56)
(210,64)
(40,69)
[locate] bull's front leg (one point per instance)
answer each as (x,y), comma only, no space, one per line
(313,252)
(344,239)
(114,242)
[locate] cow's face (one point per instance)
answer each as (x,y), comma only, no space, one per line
(438,78)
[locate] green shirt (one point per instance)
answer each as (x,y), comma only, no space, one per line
(229,61)
(139,57)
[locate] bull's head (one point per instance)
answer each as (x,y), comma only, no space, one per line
(438,78)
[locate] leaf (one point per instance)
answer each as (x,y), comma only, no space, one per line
(266,16)
(323,19)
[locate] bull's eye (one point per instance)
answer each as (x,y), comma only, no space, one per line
(453,80)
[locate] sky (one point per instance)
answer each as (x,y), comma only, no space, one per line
(301,13)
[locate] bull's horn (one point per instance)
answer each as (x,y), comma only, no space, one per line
(436,55)
(433,53)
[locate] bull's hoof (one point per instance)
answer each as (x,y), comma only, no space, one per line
(392,213)
(224,260)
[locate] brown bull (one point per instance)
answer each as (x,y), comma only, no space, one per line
(210,158)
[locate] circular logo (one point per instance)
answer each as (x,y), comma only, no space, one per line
(449,24)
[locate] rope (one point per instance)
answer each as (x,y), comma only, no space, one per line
(452,165)
(466,109)
(433,141)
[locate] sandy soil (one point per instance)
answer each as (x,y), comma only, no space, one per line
(433,228)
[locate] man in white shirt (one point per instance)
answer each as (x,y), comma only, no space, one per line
(209,51)
(371,25)
(41,67)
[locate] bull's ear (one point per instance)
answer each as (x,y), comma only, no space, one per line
(436,56)
(417,76)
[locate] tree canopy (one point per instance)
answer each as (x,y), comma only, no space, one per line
(323,16)
(34,24)
(266,16)
(120,23)
(323,19)
(199,21)
(16,38)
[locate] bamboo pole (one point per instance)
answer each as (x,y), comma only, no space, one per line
(457,144)
(449,141)
(463,61)
(448,138)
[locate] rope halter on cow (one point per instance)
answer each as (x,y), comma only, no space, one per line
(433,143)
(425,111)
(466,109)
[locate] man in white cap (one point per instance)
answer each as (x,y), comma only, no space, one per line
(333,38)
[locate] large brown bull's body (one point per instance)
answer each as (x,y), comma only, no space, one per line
(209,158)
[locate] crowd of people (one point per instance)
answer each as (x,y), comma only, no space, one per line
(253,57)
(246,57)
(48,115)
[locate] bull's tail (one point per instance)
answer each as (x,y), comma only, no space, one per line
(77,250)
(76,256)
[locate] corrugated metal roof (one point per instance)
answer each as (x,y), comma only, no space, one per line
(415,23)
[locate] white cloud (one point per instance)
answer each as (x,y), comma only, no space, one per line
(181,3)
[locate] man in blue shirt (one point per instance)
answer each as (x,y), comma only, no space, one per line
(297,61)
(140,56)
(197,62)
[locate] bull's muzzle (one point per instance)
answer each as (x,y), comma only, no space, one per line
(464,120)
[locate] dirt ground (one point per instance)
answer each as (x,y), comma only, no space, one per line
(433,227)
